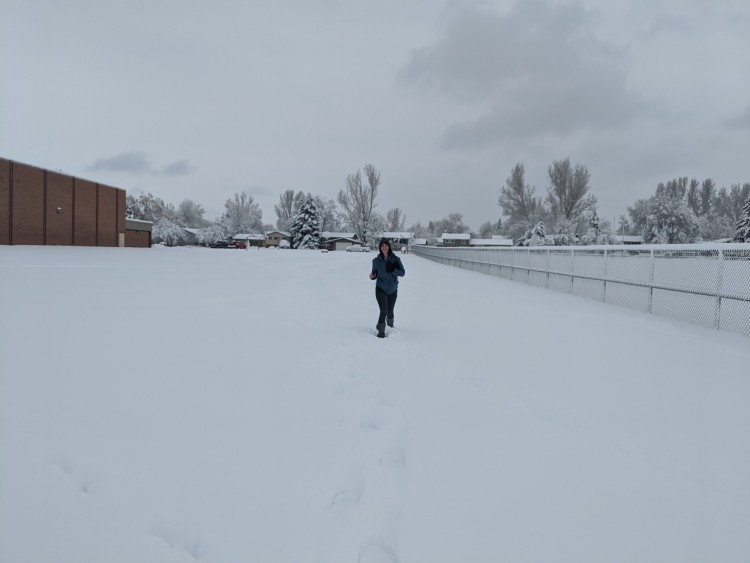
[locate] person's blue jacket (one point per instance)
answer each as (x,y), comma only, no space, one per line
(388,280)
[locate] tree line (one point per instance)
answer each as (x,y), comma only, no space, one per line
(303,215)
(682,210)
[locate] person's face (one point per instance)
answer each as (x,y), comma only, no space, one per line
(384,249)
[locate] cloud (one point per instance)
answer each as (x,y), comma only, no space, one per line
(134,162)
(538,70)
(741,121)
(178,168)
(137,162)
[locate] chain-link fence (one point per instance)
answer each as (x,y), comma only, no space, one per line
(703,284)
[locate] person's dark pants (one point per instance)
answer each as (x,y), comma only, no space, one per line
(386,302)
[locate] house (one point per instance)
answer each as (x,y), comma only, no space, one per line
(491,242)
(455,239)
(628,239)
(337,241)
(191,237)
(252,239)
(398,239)
(274,238)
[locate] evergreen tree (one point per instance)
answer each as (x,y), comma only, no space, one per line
(305,227)
(596,234)
(743,225)
(535,236)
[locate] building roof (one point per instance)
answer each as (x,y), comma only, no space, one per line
(632,239)
(328,234)
(286,234)
(398,235)
(250,236)
(491,242)
(138,225)
(456,236)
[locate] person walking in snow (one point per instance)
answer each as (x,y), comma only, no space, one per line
(386,269)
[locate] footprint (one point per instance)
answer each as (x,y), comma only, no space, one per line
(350,493)
(371,423)
(80,478)
(377,552)
(393,458)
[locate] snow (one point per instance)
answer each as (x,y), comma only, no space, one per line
(187,404)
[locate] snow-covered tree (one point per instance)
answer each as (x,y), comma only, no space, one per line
(743,225)
(394,220)
(596,233)
(242,215)
(568,197)
(358,202)
(670,220)
(304,228)
(535,236)
(211,234)
(190,214)
(487,229)
(518,203)
(328,214)
(285,209)
(453,223)
(147,207)
(168,232)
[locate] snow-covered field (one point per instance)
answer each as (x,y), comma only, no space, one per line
(174,405)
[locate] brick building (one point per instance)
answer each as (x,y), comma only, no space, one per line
(44,207)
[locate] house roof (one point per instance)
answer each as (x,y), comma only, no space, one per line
(630,238)
(329,234)
(250,236)
(456,236)
(286,234)
(398,235)
(491,242)
(338,239)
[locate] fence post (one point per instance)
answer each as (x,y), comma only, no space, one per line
(572,270)
(651,285)
(719,284)
(604,297)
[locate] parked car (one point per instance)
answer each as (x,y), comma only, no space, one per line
(220,244)
(357,248)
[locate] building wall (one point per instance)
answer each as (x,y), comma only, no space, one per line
(106,233)
(84,193)
(59,209)
(4,201)
(40,206)
(137,239)
(27,204)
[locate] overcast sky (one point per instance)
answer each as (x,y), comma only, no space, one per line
(199,100)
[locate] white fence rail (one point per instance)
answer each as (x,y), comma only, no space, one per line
(703,284)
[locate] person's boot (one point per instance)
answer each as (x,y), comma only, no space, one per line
(381,330)
(389,320)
